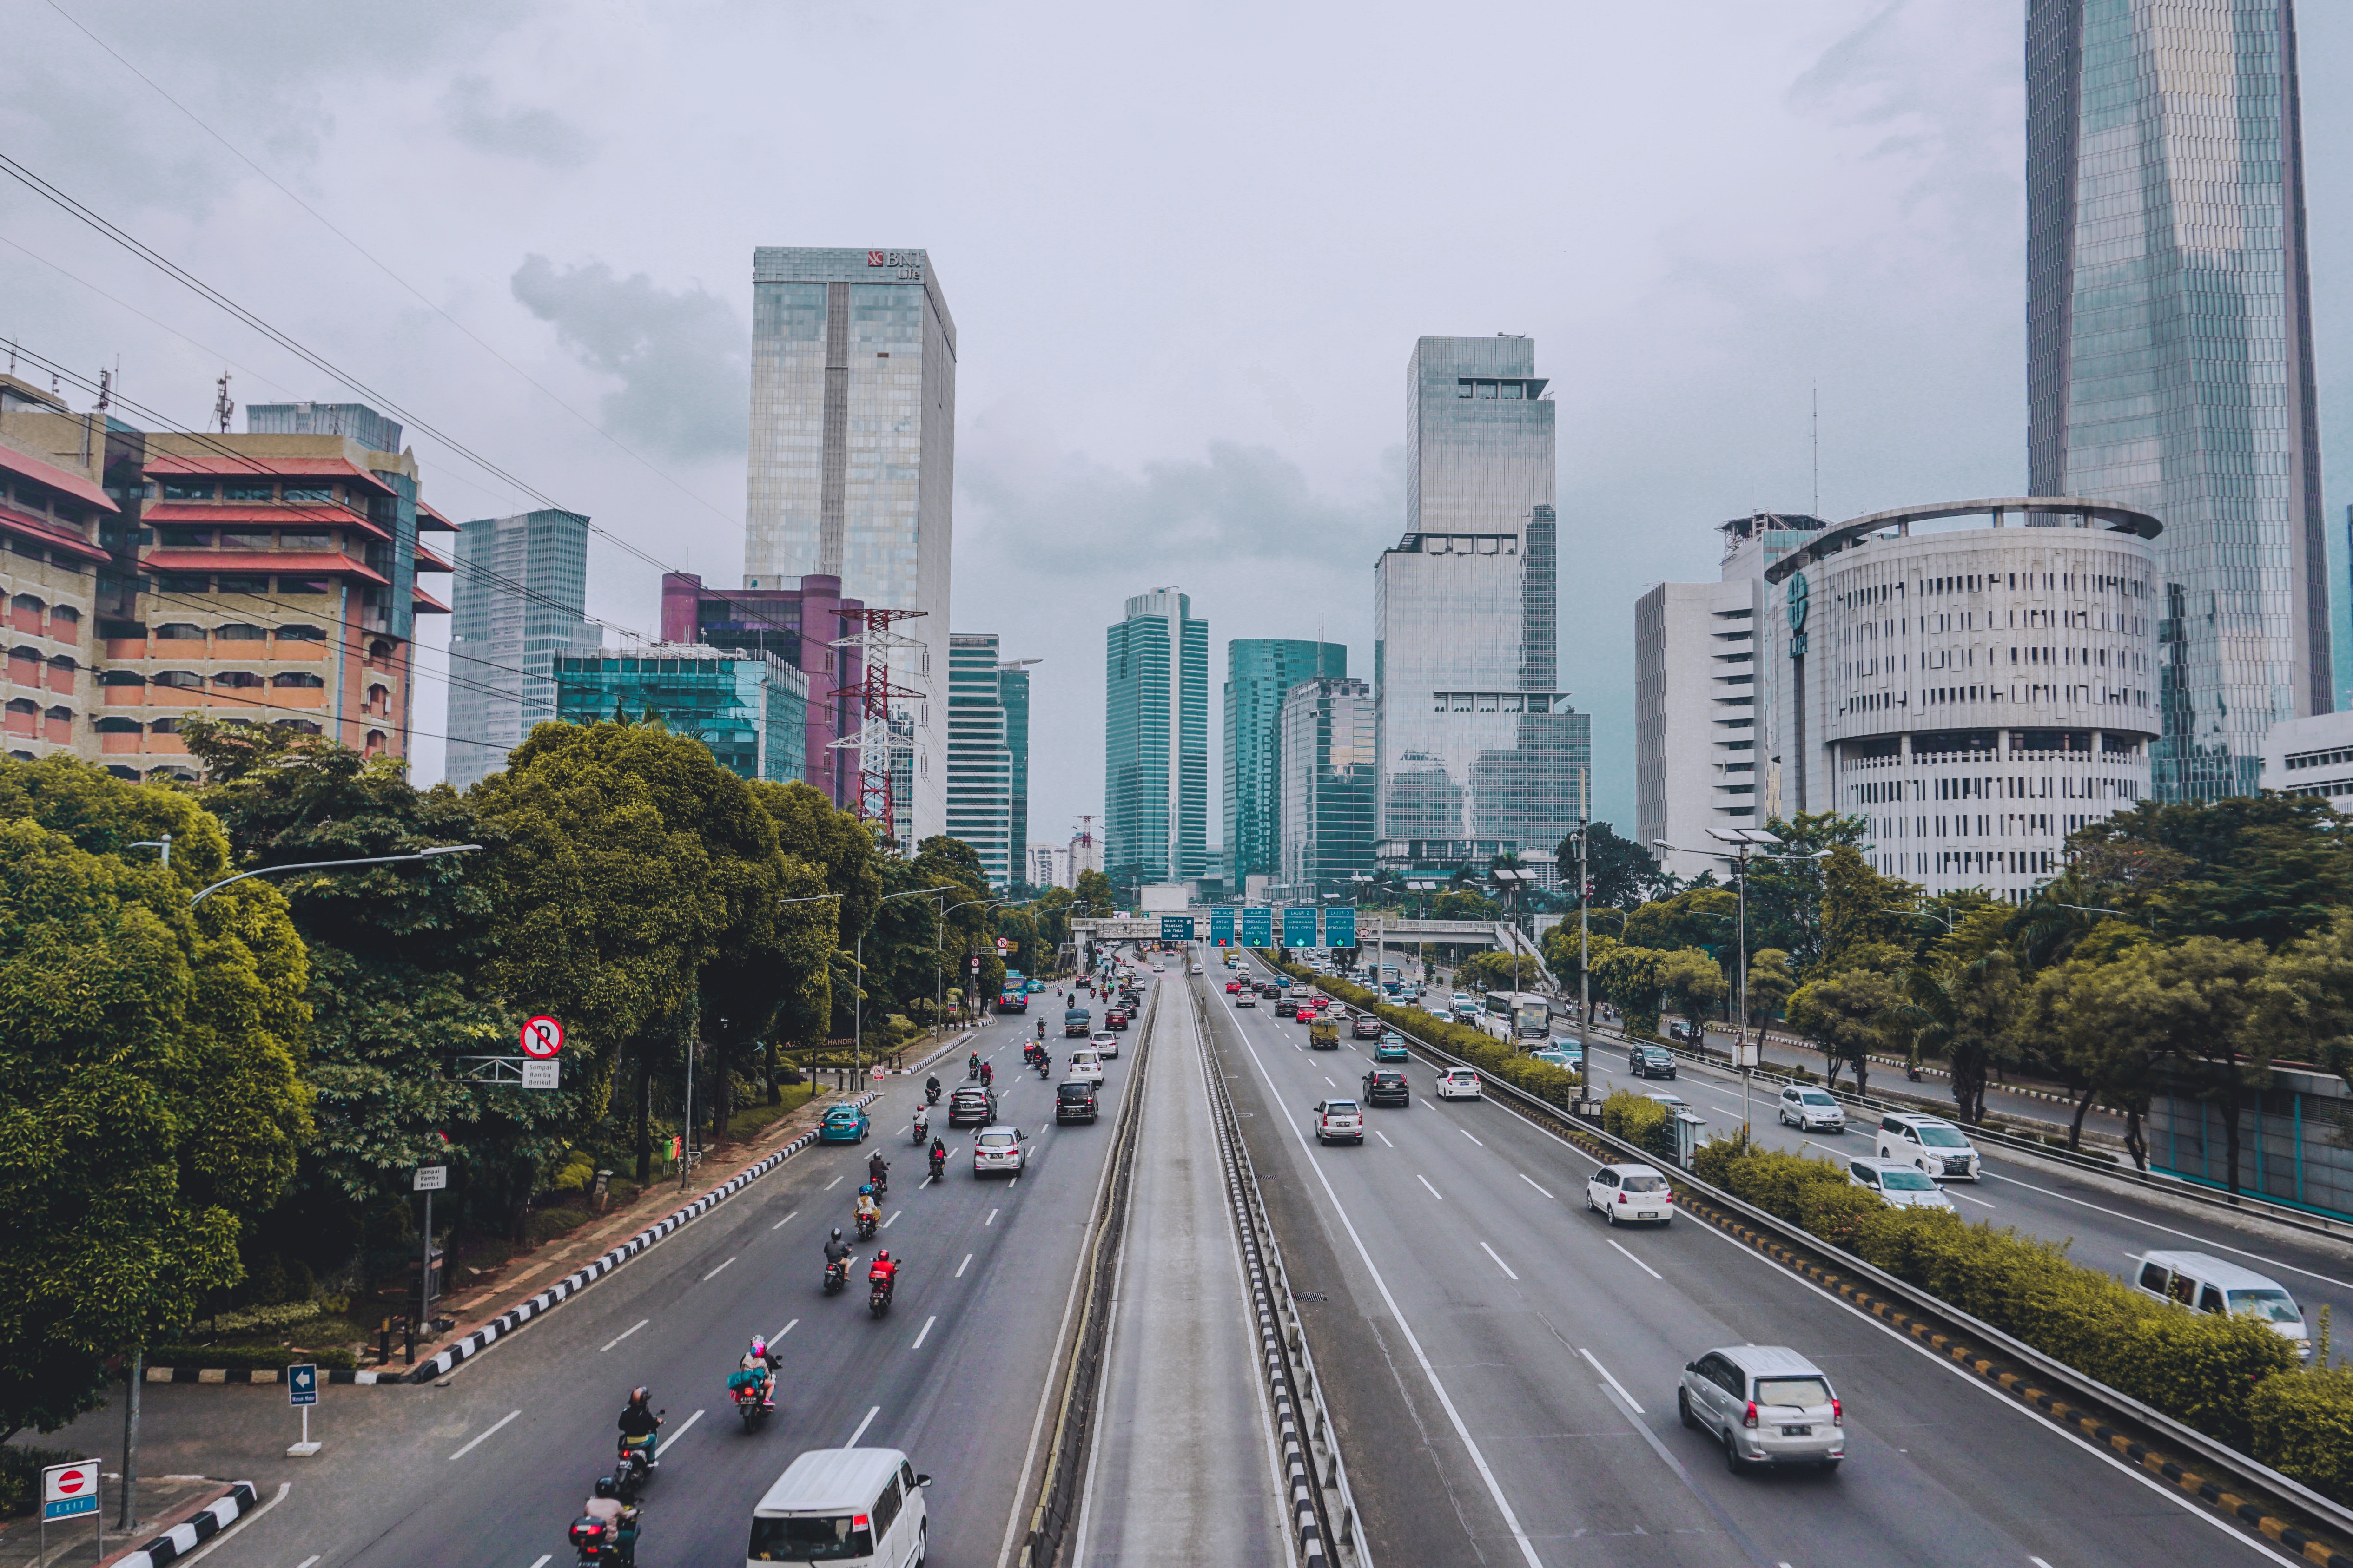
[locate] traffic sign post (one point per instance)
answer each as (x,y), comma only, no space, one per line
(68,1492)
(430,1179)
(543,1039)
(1340,927)
(1299,925)
(542,1075)
(302,1392)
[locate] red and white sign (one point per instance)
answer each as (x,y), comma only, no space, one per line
(542,1037)
(62,1483)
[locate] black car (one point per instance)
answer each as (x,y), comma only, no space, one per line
(1286,1009)
(1386,1085)
(1650,1061)
(1074,1102)
(972,1106)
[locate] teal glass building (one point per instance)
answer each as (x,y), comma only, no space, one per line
(1013,695)
(2169,362)
(1156,743)
(980,762)
(521,584)
(750,709)
(1328,776)
(1260,673)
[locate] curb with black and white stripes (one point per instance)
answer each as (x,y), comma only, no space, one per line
(186,1536)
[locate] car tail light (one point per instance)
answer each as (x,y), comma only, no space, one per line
(1838,1411)
(1621,1197)
(1669,1196)
(1750,1419)
(857,1521)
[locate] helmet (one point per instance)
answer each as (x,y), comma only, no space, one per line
(866,1189)
(638,1395)
(605,1487)
(883,1256)
(837,1233)
(760,1346)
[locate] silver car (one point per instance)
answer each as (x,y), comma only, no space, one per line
(1812,1111)
(1764,1405)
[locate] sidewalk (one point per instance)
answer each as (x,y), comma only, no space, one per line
(164,1502)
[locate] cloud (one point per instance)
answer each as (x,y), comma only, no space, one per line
(681,355)
(541,135)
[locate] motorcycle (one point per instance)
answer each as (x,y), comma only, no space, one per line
(867,1225)
(939,1168)
(988,1075)
(923,1130)
(633,1463)
(1045,1068)
(837,1275)
(600,1545)
(879,1180)
(877,1299)
(932,1094)
(752,1408)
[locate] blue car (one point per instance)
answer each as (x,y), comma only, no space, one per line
(843,1125)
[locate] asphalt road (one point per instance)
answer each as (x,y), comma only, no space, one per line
(1503,1366)
(490,1468)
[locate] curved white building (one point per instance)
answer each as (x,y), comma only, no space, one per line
(1976,692)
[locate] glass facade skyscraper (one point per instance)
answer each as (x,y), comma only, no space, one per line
(521,582)
(980,764)
(1328,784)
(2170,359)
(1156,743)
(750,709)
(1260,673)
(1480,754)
(1013,693)
(853,457)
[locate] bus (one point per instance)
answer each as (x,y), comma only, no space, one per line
(1523,1013)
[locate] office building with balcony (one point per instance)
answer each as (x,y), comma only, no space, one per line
(1156,743)
(52,508)
(1260,673)
(521,586)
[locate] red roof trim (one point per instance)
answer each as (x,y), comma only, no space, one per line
(429,517)
(426,602)
(255,465)
(56,477)
(50,533)
(291,562)
(313,514)
(428,562)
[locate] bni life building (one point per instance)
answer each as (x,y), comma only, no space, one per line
(852,467)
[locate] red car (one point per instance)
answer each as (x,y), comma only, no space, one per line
(1232,986)
(1115,1019)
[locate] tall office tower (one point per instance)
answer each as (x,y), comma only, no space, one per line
(1156,743)
(522,584)
(1048,867)
(980,768)
(1260,673)
(1326,739)
(1480,752)
(853,465)
(2170,347)
(1013,695)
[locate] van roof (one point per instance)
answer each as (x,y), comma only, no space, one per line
(2210,1270)
(832,1481)
(1767,1361)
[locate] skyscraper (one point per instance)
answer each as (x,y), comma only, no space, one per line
(522,584)
(1013,694)
(1480,752)
(1259,672)
(853,459)
(1156,743)
(980,766)
(2170,347)
(1327,729)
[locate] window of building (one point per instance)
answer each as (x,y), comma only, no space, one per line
(296,679)
(122,678)
(240,631)
(165,726)
(181,583)
(178,680)
(305,585)
(241,584)
(187,490)
(245,538)
(311,493)
(246,491)
(241,678)
(301,632)
(179,631)
(289,540)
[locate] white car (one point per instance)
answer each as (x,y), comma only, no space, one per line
(1930,1143)
(997,1150)
(1086,1064)
(1159,969)
(1899,1184)
(1458,1083)
(1810,1110)
(1104,1044)
(1339,1120)
(1629,1192)
(1197,969)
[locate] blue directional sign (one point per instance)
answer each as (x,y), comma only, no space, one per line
(302,1383)
(1340,927)
(1299,925)
(1176,928)
(1258,926)
(1221,927)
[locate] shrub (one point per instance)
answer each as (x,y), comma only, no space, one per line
(2303,1427)
(20,1474)
(1642,1121)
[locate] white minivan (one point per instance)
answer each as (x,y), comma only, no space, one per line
(2207,1284)
(851,1506)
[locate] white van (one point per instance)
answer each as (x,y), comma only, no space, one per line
(2207,1284)
(851,1506)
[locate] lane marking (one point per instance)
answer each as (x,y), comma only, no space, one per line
(2185,1234)
(707,1278)
(992,1218)
(862,1427)
(1382,1137)
(1613,1381)
(918,1338)
(624,1334)
(786,1220)
(1425,1182)
(540,1563)
(833,1184)
(664,1447)
(1328,1078)
(484,1436)
(314,1557)
(787,1329)
(1635,1261)
(1967,1199)
(2036,1561)
(886,1224)
(1466,1132)
(1499,1262)
(1525,1177)
(962,1266)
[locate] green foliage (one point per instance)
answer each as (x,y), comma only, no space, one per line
(1966,1006)
(1865,915)
(330,1358)
(1460,904)
(1623,872)
(1849,1014)
(1494,1057)
(1785,892)
(2303,1427)
(1632,978)
(21,1467)
(1771,983)
(1642,1121)
(1493,970)
(2265,869)
(1702,917)
(1694,982)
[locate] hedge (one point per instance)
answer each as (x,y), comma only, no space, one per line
(2230,1377)
(1641,1120)
(1495,1058)
(233,1356)
(20,1474)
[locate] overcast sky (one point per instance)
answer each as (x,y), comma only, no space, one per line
(1188,249)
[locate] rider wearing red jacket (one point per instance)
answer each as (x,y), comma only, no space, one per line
(884,1272)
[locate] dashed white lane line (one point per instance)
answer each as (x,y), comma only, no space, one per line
(624,1334)
(540,1563)
(992,1218)
(1467,1133)
(1328,1078)
(1425,1182)
(715,1272)
(833,1184)
(962,1266)
(1499,1262)
(1523,1175)
(483,1436)
(1613,1381)
(1382,1137)
(862,1427)
(1967,1199)
(1636,1261)
(786,1220)
(787,1329)
(893,1219)
(926,1328)
(664,1446)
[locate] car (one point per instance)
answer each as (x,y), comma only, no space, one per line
(1650,1061)
(1458,1083)
(2206,1284)
(1365,1026)
(1286,1009)
(1323,1034)
(1554,1056)
(1899,1184)
(1392,1048)
(997,1150)
(1233,987)
(1339,1121)
(1268,988)
(1679,1029)
(844,1125)
(1115,1018)
(1671,1101)
(1197,969)
(1625,1192)
(1929,1143)
(1087,1063)
(1074,1102)
(1159,969)
(1386,1085)
(1104,1044)
(1811,1110)
(1766,1404)
(1245,998)
(972,1106)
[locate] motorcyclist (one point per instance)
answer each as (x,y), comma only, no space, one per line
(606,1508)
(884,1273)
(878,1171)
(836,1249)
(923,1122)
(764,1362)
(987,1074)
(866,1208)
(972,1062)
(639,1423)
(939,1158)
(931,1084)
(1041,1029)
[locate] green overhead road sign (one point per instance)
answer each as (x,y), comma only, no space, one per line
(1176,928)
(1258,926)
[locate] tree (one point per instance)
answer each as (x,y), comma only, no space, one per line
(1849,1014)
(1623,873)
(1460,904)
(1493,970)
(2070,1015)
(1785,895)
(1705,918)
(812,832)
(2265,869)
(1632,978)
(1693,981)
(2199,1002)
(1863,908)
(149,1093)
(1769,986)
(2307,1001)
(1964,1005)
(1094,890)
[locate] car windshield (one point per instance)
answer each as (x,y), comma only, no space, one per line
(808,1540)
(1339,1108)
(1816,1097)
(1907,1182)
(1642,1183)
(1943,1138)
(1075,1092)
(1658,1054)
(2271,1306)
(1805,1393)
(843,1113)
(997,1139)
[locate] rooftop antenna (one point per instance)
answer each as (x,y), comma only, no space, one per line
(105,388)
(1818,448)
(223,403)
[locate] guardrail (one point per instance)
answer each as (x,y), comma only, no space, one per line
(2120,1407)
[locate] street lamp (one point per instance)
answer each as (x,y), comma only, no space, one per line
(326,866)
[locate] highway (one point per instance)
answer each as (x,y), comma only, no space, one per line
(1503,1366)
